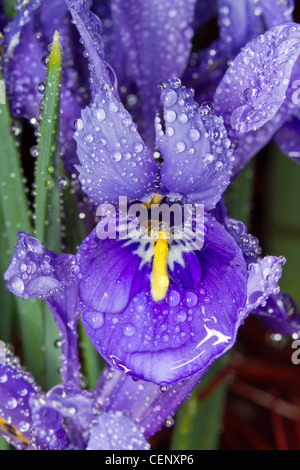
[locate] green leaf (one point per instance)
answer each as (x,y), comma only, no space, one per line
(280,223)
(238,197)
(9,8)
(16,215)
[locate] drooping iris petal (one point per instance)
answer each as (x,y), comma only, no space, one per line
(255,85)
(149,405)
(168,340)
(280,314)
(16,388)
(37,272)
(195,147)
(114,431)
(114,159)
(156,39)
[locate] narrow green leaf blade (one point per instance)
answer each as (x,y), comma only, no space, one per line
(16,215)
(47,203)
(47,200)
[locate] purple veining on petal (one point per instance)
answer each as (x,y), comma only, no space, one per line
(195,147)
(114,159)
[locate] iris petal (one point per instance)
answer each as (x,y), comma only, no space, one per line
(114,159)
(125,435)
(255,85)
(195,147)
(16,388)
(174,338)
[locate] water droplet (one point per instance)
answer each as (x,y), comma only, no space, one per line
(41,87)
(100,114)
(129,330)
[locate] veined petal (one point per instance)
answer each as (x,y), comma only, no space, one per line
(114,431)
(156,39)
(255,85)
(194,146)
(16,388)
(114,159)
(171,339)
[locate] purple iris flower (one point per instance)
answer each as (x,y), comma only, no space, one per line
(161,310)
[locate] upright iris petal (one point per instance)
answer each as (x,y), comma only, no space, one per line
(194,146)
(114,159)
